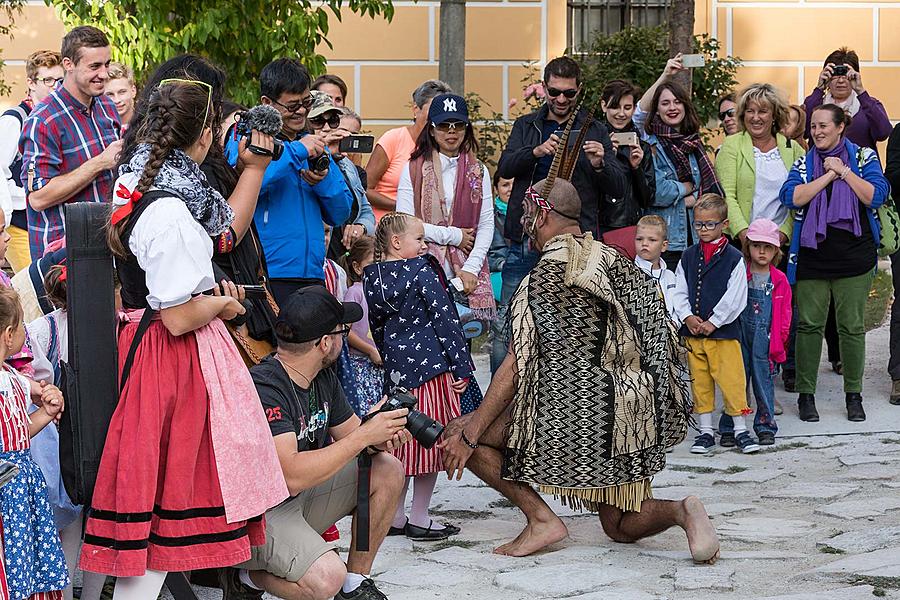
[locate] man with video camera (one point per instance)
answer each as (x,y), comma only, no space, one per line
(304,406)
(300,190)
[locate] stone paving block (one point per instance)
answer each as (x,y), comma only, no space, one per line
(864,540)
(873,473)
(859,509)
(425,575)
(849,593)
(749,476)
(573,554)
(758,529)
(717,509)
(670,478)
(811,491)
(726,555)
(618,594)
(711,578)
(716,463)
(868,459)
(880,563)
(561,581)
(466,558)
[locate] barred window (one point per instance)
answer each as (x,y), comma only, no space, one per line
(611,16)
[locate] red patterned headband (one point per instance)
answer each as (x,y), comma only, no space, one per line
(544,204)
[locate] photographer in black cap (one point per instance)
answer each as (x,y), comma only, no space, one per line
(305,406)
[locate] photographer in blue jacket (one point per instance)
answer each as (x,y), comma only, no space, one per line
(300,190)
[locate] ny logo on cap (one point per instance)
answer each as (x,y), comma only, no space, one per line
(449,105)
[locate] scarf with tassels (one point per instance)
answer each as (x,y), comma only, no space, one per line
(431,206)
(679,148)
(601,388)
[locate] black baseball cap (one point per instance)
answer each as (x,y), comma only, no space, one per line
(311,312)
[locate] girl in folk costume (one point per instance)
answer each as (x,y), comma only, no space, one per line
(446,187)
(173,490)
(416,328)
(33,557)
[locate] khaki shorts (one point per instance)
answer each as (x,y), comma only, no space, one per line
(294,527)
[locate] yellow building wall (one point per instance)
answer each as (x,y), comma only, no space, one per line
(781,41)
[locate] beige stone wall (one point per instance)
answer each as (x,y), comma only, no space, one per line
(782,41)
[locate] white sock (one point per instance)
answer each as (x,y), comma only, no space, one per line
(244,576)
(353,581)
(706,423)
(146,586)
(740,425)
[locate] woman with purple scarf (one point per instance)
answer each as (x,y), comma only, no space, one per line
(835,190)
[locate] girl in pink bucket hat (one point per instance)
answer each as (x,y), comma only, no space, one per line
(765,324)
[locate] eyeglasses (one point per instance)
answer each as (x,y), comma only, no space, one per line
(726,114)
(448,126)
(51,82)
(553,92)
(344,333)
(333,121)
(293,109)
(193,82)
(701,225)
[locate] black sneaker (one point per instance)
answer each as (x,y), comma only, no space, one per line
(746,443)
(726,440)
(703,443)
(365,591)
(234,589)
(766,438)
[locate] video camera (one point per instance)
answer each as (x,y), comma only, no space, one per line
(264,119)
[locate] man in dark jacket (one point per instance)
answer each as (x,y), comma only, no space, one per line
(529,154)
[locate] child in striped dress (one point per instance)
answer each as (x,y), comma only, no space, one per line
(416,328)
(33,557)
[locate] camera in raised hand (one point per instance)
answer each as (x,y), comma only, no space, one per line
(264,119)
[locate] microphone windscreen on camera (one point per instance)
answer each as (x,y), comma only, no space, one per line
(264,119)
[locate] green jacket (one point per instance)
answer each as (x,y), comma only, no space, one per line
(736,169)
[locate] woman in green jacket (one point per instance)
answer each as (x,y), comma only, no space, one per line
(754,163)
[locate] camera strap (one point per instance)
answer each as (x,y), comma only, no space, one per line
(364,462)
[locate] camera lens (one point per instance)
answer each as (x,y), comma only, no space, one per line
(423,428)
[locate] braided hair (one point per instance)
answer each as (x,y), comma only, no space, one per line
(174,121)
(391,224)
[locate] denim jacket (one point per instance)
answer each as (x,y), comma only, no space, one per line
(669,200)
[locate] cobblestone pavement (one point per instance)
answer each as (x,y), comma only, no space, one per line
(817,516)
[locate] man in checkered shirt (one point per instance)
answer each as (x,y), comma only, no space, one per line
(70,143)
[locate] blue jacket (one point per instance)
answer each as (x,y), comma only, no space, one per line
(414,322)
(290,212)
(669,199)
(865,165)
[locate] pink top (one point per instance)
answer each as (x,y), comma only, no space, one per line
(355,293)
(398,144)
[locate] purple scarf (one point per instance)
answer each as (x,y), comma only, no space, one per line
(841,212)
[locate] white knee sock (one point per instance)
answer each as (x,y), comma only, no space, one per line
(400,515)
(706,423)
(423,490)
(146,586)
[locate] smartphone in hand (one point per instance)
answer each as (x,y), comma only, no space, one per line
(625,138)
(690,61)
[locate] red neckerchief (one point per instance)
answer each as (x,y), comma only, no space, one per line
(711,248)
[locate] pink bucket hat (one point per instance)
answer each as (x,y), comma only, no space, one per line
(765,231)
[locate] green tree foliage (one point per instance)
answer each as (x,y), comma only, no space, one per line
(9,10)
(639,54)
(241,36)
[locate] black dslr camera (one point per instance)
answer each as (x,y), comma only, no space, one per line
(320,163)
(423,428)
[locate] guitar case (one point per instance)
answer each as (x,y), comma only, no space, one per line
(90,378)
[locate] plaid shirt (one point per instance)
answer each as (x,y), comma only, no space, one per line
(60,135)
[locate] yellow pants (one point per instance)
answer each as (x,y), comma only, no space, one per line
(19,252)
(714,361)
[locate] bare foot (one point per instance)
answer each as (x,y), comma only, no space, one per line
(535,536)
(701,535)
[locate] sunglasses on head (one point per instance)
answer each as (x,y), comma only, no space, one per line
(728,113)
(553,93)
(448,126)
(333,120)
(203,84)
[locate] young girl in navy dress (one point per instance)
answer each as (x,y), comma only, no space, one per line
(175,489)
(416,328)
(34,561)
(362,372)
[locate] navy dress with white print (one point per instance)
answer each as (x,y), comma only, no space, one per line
(414,322)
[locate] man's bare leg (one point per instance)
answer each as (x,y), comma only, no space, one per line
(544,527)
(657,516)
